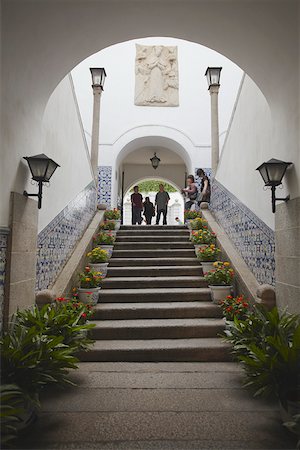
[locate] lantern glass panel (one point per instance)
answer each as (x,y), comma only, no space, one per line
(276,172)
(38,167)
(52,166)
(264,173)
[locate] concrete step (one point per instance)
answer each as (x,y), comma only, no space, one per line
(145,262)
(154,271)
(158,310)
(157,329)
(179,294)
(168,245)
(152,227)
(187,350)
(153,238)
(153,253)
(153,282)
(154,232)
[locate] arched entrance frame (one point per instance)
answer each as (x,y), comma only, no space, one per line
(179,207)
(152,136)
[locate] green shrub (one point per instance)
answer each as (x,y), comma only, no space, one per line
(32,359)
(103,238)
(13,403)
(65,318)
(268,345)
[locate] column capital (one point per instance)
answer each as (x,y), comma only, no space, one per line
(214,89)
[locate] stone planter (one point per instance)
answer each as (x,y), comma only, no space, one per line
(220,293)
(207,266)
(100,267)
(89,295)
(118,224)
(198,246)
(108,248)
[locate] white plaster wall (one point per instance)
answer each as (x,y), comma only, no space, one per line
(118,112)
(248,144)
(42,42)
(63,141)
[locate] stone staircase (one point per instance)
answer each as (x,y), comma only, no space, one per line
(155,304)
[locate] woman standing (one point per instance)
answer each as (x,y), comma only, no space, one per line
(191,191)
(205,186)
(149,210)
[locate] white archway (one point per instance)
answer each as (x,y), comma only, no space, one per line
(176,204)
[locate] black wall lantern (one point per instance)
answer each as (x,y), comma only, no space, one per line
(155,161)
(272,173)
(42,168)
(213,75)
(98,77)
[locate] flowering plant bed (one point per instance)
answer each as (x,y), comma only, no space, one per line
(103,238)
(235,307)
(112,214)
(222,274)
(90,279)
(208,253)
(98,255)
(198,224)
(108,225)
(203,237)
(190,215)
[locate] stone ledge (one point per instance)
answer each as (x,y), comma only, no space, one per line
(68,276)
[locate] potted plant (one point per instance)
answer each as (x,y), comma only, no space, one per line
(190,215)
(220,280)
(234,307)
(202,238)
(98,259)
(115,215)
(208,255)
(108,225)
(198,224)
(89,289)
(105,241)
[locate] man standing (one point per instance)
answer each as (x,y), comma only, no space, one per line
(161,201)
(137,206)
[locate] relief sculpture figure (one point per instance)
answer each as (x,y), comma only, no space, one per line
(156,72)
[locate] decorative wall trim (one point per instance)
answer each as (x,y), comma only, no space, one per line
(58,239)
(104,185)
(254,240)
(4,232)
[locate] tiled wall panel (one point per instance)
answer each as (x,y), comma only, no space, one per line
(57,241)
(104,185)
(254,240)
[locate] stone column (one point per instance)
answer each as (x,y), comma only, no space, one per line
(214,91)
(21,255)
(97,91)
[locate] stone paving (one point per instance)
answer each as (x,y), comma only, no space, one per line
(156,406)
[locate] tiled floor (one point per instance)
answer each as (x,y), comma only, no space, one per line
(157,406)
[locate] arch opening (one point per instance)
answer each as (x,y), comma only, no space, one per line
(148,187)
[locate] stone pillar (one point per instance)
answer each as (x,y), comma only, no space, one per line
(287,255)
(97,91)
(22,253)
(214,92)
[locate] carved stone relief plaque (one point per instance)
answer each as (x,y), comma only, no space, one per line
(156,76)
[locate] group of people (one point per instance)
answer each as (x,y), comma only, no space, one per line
(149,211)
(193,195)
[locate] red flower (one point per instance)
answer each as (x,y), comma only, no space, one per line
(83,315)
(89,293)
(87,268)
(60,299)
